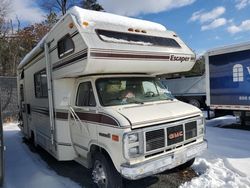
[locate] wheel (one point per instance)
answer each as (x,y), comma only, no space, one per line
(104,174)
(195,103)
(186,164)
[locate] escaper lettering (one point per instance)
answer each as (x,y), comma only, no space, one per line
(175,135)
(179,58)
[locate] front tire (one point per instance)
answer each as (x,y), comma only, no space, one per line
(104,174)
(186,164)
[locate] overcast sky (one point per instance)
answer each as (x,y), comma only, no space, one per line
(202,24)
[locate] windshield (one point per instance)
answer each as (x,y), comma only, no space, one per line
(122,91)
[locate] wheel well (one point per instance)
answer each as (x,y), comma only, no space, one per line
(94,149)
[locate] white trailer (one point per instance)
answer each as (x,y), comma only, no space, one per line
(88,92)
(191,89)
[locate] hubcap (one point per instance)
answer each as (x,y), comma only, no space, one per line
(99,174)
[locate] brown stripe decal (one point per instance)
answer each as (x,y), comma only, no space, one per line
(97,118)
(62,115)
(69,62)
(126,56)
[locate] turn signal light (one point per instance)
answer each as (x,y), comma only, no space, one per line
(115,138)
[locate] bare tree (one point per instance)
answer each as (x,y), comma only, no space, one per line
(92,5)
(59,5)
(4,7)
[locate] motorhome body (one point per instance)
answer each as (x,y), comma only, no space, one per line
(89,89)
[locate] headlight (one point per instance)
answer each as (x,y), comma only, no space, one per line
(200,121)
(200,125)
(134,151)
(133,138)
(133,144)
(200,130)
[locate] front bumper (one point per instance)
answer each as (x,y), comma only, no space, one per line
(163,163)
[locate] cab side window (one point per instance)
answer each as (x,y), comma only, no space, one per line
(85,95)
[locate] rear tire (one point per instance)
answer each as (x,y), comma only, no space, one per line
(104,174)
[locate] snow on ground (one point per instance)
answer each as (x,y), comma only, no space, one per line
(26,169)
(226,163)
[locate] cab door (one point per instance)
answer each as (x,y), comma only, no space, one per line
(83,114)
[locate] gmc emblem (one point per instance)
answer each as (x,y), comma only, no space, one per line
(175,135)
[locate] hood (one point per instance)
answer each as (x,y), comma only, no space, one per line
(154,113)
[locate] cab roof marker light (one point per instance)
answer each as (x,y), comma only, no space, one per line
(86,24)
(71,25)
(130,29)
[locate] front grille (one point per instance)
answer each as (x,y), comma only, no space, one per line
(155,139)
(170,137)
(190,130)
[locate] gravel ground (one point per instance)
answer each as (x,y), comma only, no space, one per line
(82,176)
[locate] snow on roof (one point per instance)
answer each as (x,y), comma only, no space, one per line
(96,17)
(104,17)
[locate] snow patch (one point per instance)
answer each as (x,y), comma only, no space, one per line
(220,121)
(26,169)
(214,174)
(226,163)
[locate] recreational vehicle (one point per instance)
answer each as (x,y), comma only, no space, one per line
(88,92)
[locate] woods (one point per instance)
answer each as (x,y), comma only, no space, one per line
(17,39)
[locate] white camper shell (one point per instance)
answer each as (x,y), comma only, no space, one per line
(64,85)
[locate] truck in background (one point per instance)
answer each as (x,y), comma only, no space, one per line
(88,92)
(228,80)
(189,87)
(191,90)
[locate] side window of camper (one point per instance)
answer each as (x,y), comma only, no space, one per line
(40,80)
(85,95)
(65,46)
